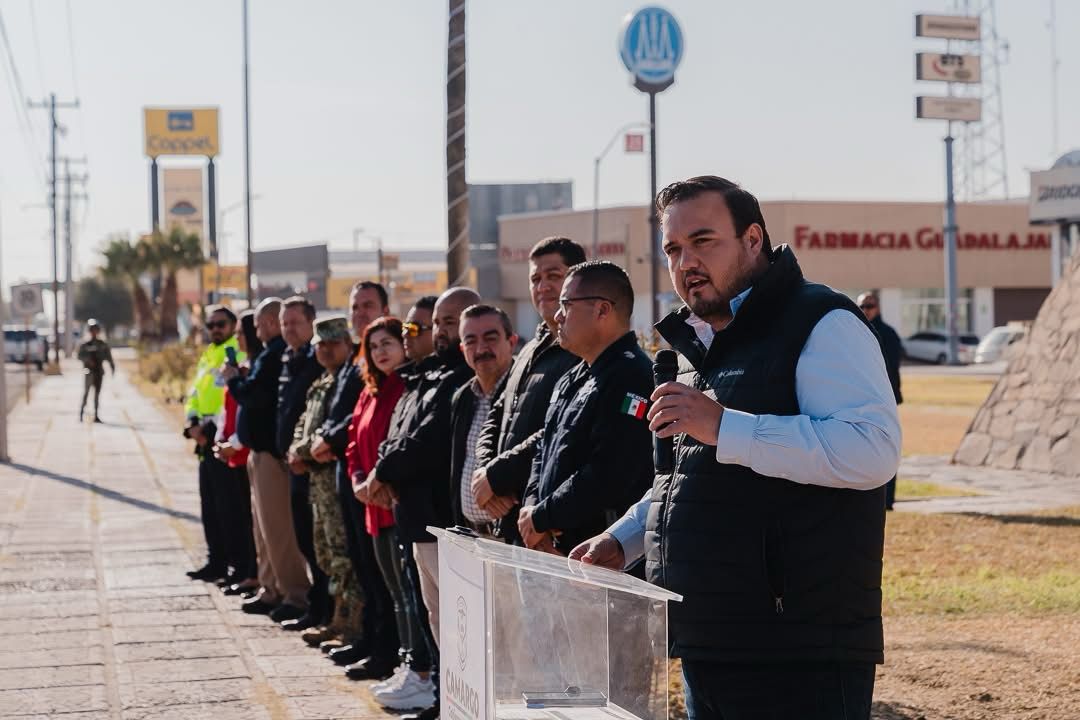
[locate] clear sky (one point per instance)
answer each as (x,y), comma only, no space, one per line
(794,99)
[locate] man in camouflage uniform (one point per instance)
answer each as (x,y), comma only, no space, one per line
(93,354)
(332,349)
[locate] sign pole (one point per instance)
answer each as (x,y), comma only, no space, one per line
(950,251)
(651,48)
(155,211)
(654,222)
(4,457)
(26,359)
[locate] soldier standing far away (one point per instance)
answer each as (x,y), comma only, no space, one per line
(93,354)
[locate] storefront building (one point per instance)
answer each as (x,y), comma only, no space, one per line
(1003,266)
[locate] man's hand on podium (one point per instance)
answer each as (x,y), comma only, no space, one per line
(603,550)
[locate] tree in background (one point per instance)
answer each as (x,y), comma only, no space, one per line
(178,250)
(107,300)
(126,261)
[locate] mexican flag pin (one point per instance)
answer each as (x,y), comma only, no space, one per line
(634,405)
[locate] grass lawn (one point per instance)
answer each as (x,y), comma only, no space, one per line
(982,613)
(937,410)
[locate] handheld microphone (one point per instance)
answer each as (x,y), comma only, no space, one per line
(665,370)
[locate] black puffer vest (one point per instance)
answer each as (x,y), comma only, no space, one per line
(771,570)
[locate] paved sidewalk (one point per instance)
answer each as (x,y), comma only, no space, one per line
(1000,492)
(97,620)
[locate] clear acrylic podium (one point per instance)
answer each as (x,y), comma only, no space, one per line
(525,635)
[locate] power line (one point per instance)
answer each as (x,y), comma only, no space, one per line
(71,52)
(75,80)
(37,46)
(18,97)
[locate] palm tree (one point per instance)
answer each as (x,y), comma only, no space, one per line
(128,262)
(179,250)
(457,188)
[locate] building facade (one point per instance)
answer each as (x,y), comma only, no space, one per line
(1003,262)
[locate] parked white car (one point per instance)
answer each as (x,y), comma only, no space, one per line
(933,347)
(996,341)
(24,346)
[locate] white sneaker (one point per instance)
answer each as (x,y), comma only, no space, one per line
(393,681)
(412,693)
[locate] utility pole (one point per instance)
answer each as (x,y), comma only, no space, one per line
(55,127)
(69,245)
(4,457)
(247,163)
(377,242)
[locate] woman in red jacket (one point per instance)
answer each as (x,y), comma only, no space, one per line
(384,353)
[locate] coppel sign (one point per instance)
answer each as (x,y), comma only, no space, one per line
(651,47)
(180,131)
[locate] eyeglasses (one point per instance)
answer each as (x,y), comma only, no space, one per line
(564,303)
(411,329)
(868,306)
(217,325)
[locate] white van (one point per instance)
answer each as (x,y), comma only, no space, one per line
(22,346)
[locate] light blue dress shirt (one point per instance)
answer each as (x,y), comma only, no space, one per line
(848,435)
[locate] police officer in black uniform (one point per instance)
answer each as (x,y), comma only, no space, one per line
(595,455)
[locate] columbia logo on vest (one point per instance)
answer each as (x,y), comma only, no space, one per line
(721,374)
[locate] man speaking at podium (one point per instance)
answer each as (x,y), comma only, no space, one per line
(785,431)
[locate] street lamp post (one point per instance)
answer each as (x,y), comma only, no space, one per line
(376,242)
(221,233)
(596,181)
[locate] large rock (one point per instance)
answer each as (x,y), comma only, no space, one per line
(1032,417)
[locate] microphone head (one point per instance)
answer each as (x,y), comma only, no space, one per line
(667,357)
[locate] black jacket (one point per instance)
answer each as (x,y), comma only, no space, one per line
(257,396)
(594,458)
(416,461)
(462,413)
(298,370)
(339,411)
(893,350)
(771,571)
(509,438)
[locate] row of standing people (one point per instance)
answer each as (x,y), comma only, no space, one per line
(322,462)
(770,522)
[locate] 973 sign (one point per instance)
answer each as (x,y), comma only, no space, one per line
(26,301)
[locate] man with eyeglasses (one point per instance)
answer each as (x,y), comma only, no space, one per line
(893,350)
(594,457)
(205,399)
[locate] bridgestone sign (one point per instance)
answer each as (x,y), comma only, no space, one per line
(1055,195)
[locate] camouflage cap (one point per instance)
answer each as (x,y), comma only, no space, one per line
(332,328)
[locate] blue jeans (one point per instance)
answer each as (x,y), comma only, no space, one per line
(807,691)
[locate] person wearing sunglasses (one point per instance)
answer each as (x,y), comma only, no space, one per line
(205,399)
(893,350)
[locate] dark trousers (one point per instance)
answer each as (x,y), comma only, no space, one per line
(414,646)
(304,527)
(890,493)
(233,496)
(411,581)
(811,691)
(212,474)
(380,630)
(91,379)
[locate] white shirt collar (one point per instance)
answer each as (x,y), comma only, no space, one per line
(704,330)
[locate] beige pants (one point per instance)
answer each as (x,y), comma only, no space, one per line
(283,572)
(427,562)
